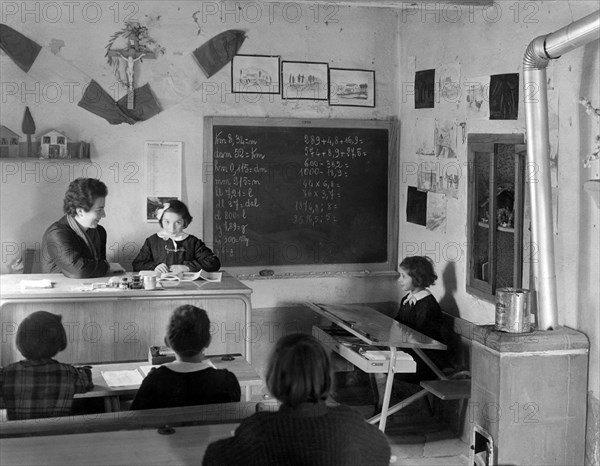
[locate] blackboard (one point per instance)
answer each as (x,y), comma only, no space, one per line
(301,195)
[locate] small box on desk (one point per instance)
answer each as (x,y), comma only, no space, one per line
(160,355)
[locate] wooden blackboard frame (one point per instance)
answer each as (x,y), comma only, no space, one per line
(393,129)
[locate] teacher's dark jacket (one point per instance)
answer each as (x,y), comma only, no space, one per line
(63,251)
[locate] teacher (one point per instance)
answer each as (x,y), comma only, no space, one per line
(75,245)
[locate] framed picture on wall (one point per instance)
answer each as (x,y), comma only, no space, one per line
(304,80)
(255,74)
(351,88)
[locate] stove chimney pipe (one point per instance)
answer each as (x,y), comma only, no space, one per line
(537,56)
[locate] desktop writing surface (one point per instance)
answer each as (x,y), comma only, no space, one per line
(287,193)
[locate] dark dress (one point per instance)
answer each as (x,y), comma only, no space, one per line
(165,388)
(425,316)
(190,251)
(312,434)
(63,251)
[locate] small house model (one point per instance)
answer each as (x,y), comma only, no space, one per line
(53,145)
(9,142)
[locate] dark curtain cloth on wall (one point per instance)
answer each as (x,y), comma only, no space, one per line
(218,51)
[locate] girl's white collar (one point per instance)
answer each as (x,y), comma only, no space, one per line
(164,235)
(185,367)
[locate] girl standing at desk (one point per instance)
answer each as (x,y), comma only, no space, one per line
(173,250)
(75,245)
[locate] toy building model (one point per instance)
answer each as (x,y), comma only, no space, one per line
(53,145)
(9,142)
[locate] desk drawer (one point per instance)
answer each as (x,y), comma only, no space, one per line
(349,350)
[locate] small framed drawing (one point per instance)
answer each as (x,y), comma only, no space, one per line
(351,88)
(304,80)
(154,204)
(255,74)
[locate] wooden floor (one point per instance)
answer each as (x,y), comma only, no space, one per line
(417,436)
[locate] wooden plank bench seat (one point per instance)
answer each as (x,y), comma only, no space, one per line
(134,420)
(457,389)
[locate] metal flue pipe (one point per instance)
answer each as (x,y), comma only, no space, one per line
(537,56)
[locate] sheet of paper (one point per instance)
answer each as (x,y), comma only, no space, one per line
(163,175)
(146,369)
(122,378)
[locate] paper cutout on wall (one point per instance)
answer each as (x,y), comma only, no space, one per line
(450,174)
(448,85)
(477,97)
(428,174)
(424,136)
(416,206)
(504,96)
(424,89)
(436,212)
(445,139)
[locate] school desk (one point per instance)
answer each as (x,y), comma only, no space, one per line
(114,325)
(132,447)
(358,335)
(242,369)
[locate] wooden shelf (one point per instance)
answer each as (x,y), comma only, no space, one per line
(499,228)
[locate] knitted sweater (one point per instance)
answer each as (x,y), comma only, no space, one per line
(312,434)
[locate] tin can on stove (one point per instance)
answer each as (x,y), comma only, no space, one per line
(512,310)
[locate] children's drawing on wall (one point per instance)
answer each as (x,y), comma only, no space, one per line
(449,85)
(428,179)
(436,212)
(416,206)
(424,135)
(305,80)
(153,204)
(504,96)
(477,97)
(445,139)
(449,179)
(425,89)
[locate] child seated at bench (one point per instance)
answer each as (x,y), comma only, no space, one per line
(39,386)
(189,380)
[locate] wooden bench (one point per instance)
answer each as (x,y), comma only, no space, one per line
(130,420)
(185,445)
(448,389)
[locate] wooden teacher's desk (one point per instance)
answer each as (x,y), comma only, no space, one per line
(359,334)
(113,325)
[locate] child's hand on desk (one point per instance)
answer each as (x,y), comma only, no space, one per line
(162,268)
(179,268)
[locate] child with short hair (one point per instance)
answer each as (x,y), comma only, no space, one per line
(304,430)
(190,379)
(420,311)
(172,250)
(39,386)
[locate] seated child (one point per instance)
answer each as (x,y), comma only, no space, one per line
(39,386)
(304,430)
(173,250)
(189,380)
(420,311)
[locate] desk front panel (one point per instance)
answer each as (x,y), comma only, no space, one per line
(110,330)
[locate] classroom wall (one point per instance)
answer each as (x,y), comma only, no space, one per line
(492,41)
(392,41)
(32,191)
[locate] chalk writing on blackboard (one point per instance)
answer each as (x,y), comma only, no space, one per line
(299,195)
